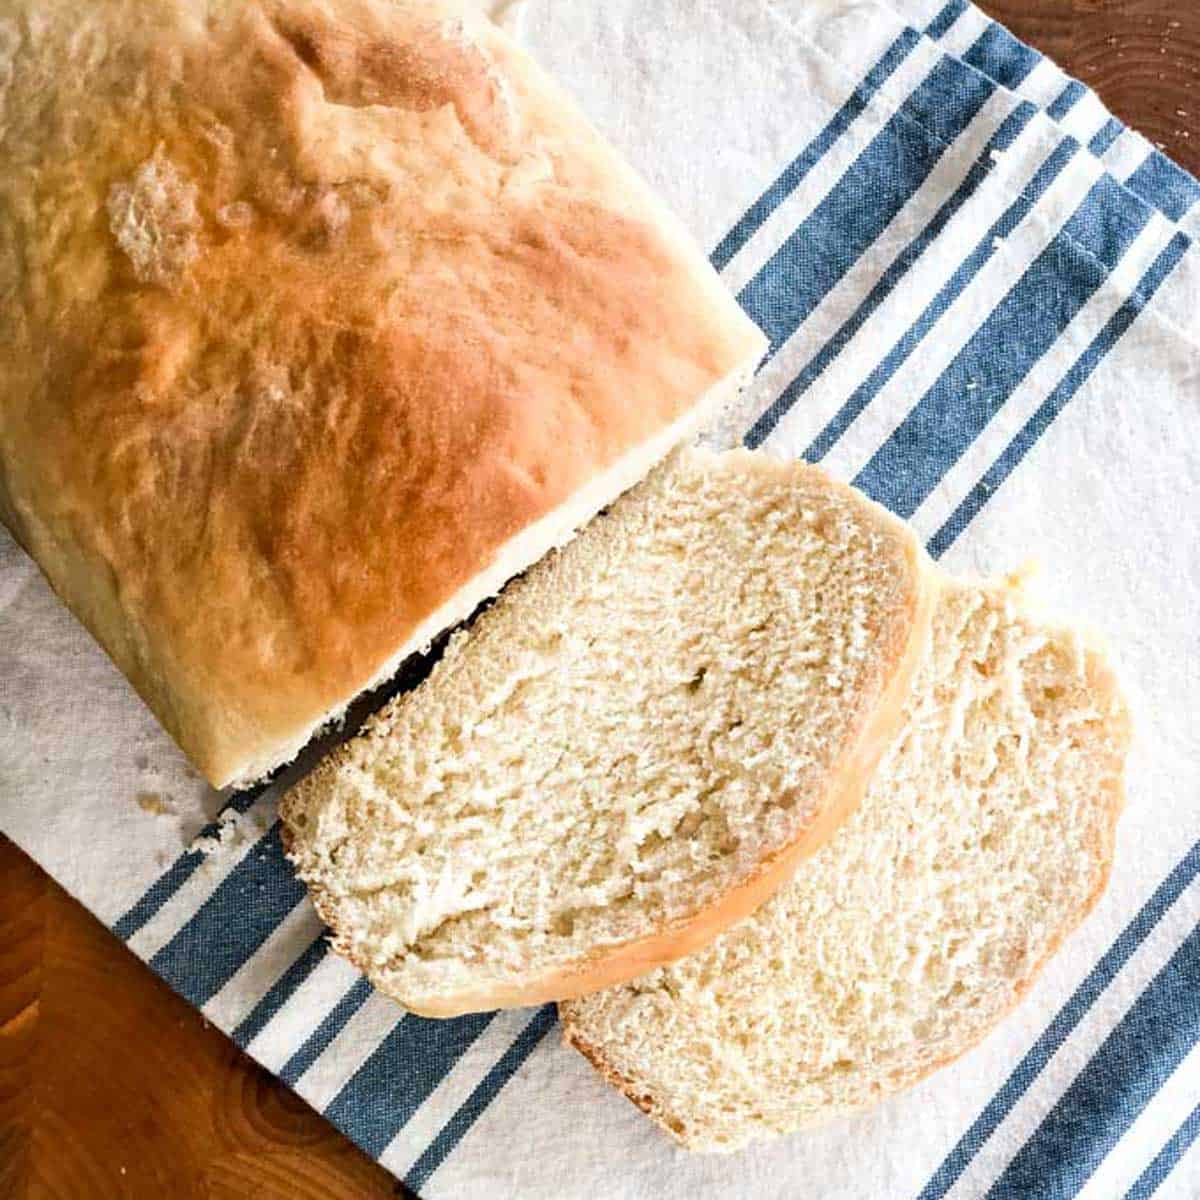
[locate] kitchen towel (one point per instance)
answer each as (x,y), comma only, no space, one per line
(982,296)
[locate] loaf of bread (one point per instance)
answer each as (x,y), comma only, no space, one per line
(322,319)
(984,839)
(631,750)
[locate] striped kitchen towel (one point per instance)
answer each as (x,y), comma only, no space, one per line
(981,294)
(963,30)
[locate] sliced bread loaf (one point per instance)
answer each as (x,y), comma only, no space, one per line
(985,837)
(631,750)
(322,319)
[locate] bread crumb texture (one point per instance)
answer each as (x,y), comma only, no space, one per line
(154,219)
(155,803)
(232,831)
(985,837)
(632,731)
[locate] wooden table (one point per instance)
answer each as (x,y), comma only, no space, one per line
(110,1085)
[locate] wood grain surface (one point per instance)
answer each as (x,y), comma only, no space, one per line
(111,1086)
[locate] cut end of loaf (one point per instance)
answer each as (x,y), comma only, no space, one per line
(631,750)
(984,839)
(549,533)
(397,310)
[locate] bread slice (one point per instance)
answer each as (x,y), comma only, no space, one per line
(984,839)
(321,320)
(631,750)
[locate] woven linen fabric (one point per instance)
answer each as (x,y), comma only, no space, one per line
(981,294)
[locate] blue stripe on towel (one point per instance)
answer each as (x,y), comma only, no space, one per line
(331,1025)
(281,991)
(473,1107)
(1165,1161)
(228,928)
(816,150)
(382,1095)
(1066,100)
(1063,1025)
(983,252)
(1167,186)
(1003,138)
(1109,1094)
(893,166)
(1105,136)
(1017,333)
(942,23)
(1002,57)
(180,871)
(163,888)
(1058,399)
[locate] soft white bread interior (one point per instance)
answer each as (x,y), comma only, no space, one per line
(547,533)
(631,750)
(984,839)
(321,319)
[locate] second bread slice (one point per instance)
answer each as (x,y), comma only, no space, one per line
(631,750)
(984,839)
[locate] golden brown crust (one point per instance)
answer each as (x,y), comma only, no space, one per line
(310,308)
(616,964)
